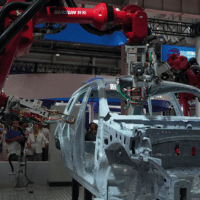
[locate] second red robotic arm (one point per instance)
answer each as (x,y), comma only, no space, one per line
(186,70)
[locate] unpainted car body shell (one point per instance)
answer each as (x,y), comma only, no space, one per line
(133,156)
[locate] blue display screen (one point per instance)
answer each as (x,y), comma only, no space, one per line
(167,50)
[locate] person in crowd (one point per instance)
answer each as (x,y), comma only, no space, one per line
(3,145)
(34,142)
(14,138)
(1,142)
(22,128)
(25,131)
(28,131)
(46,134)
(45,131)
(91,134)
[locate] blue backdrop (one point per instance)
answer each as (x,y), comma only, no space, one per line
(167,50)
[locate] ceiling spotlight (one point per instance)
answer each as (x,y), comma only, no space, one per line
(57,54)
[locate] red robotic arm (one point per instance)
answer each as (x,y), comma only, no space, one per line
(181,63)
(132,19)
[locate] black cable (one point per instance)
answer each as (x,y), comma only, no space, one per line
(20,22)
(92,29)
(8,8)
(10,159)
(11,165)
(50,29)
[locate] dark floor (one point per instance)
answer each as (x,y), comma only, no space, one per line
(37,192)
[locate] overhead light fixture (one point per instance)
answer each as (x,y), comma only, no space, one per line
(117,9)
(57,54)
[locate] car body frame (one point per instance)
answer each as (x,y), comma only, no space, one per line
(134,156)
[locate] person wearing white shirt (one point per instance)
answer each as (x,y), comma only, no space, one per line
(34,142)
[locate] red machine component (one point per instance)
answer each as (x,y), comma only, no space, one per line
(177,62)
(181,63)
(132,19)
(138,31)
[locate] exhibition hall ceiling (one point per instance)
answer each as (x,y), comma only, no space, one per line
(174,10)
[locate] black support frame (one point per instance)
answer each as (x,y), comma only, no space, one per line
(175,28)
(22,67)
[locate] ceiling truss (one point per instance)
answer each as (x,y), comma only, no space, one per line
(175,28)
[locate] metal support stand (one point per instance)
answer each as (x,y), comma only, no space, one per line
(22,180)
(21,173)
(75,189)
(87,194)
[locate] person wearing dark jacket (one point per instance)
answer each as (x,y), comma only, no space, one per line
(91,134)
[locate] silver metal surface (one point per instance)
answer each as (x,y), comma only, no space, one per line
(133,154)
